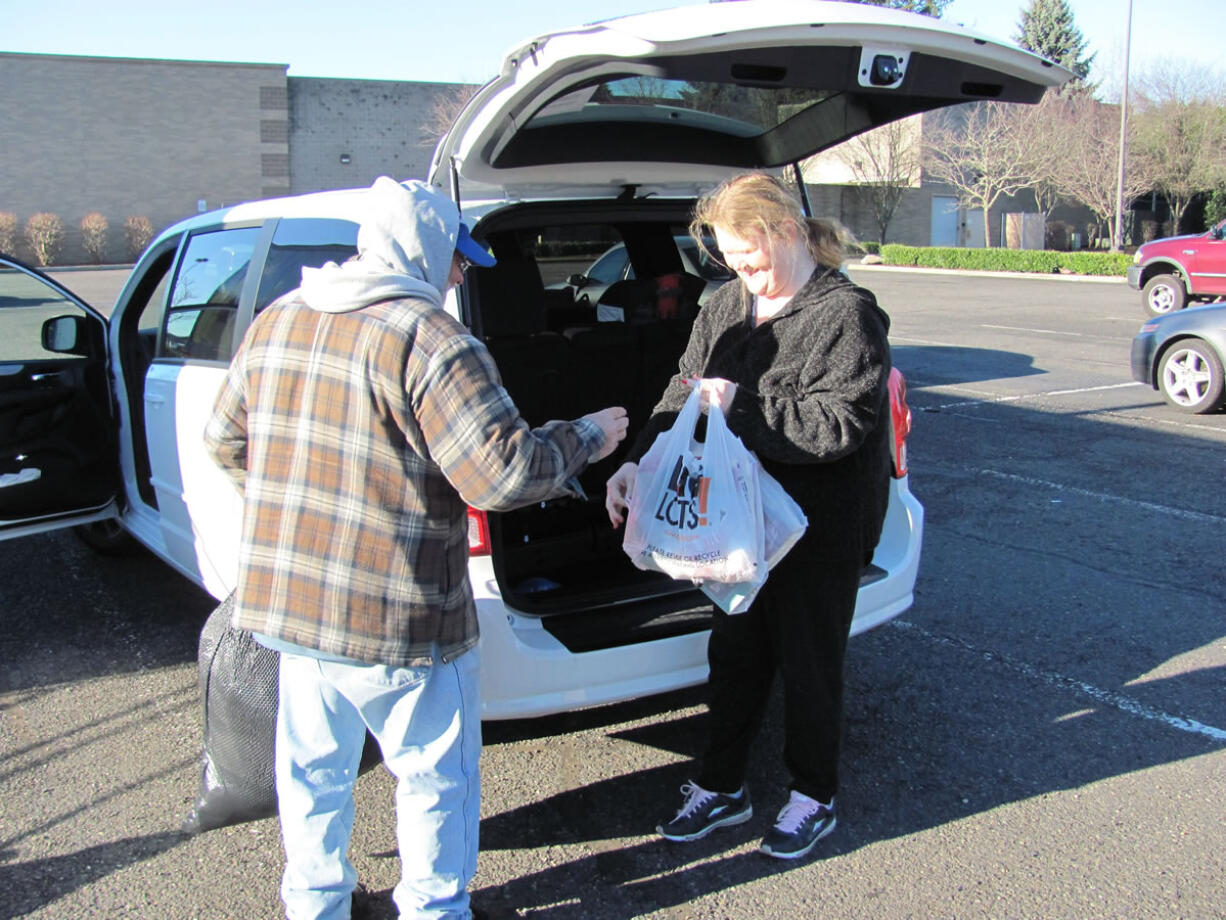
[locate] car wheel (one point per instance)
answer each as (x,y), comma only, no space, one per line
(1164,294)
(107,538)
(1190,377)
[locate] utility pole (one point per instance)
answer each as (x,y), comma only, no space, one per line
(1118,243)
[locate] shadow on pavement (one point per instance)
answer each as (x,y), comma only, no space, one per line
(30,886)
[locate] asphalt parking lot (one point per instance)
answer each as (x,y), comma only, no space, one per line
(1042,735)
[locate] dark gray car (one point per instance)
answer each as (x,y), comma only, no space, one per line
(1181,354)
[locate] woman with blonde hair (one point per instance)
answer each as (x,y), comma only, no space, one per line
(797,356)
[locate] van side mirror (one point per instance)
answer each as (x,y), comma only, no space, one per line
(66,335)
(578,280)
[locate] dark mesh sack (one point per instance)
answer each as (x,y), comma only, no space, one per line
(238,689)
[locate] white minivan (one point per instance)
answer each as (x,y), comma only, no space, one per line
(587,139)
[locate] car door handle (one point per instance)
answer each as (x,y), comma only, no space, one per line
(155,401)
(50,375)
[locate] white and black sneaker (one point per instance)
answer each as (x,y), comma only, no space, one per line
(801,824)
(703,811)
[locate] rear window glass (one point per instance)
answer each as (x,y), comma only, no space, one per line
(299,243)
(726,107)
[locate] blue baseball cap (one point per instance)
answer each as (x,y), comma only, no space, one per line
(473,251)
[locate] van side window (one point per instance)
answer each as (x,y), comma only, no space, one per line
(200,317)
(299,243)
(31,303)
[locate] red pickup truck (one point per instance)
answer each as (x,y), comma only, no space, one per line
(1175,270)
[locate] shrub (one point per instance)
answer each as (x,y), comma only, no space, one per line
(137,232)
(8,232)
(93,235)
(45,236)
(1033,261)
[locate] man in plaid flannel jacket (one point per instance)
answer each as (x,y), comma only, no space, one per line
(359,418)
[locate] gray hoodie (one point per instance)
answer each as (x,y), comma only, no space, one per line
(406,241)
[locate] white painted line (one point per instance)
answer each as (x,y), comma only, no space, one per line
(1024,329)
(1105,386)
(911,341)
(1183,513)
(1018,398)
(1216,429)
(1125,704)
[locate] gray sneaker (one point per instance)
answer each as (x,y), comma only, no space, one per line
(703,811)
(801,824)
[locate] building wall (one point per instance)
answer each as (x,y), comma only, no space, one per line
(911,223)
(158,139)
(347,133)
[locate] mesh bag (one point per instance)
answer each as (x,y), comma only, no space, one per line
(238,689)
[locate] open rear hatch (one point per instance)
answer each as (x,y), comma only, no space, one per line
(605,135)
(686,96)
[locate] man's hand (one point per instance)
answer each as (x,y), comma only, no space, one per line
(613,423)
(618,492)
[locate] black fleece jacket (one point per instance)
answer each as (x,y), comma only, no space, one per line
(812,400)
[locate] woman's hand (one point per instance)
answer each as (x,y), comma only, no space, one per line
(619,491)
(713,389)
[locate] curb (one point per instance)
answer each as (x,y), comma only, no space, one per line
(110,267)
(1096,279)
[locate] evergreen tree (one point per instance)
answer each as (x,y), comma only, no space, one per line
(932,8)
(1047,29)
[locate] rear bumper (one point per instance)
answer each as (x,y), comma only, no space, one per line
(526,671)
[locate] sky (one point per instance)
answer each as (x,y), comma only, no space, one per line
(464,42)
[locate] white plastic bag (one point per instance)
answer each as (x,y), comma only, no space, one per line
(695,511)
(783,523)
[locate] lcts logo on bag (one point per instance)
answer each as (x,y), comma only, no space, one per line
(684,502)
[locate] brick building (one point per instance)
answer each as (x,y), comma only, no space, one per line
(166,139)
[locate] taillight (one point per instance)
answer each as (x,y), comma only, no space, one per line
(478,533)
(900,420)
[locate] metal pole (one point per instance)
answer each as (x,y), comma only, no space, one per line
(1119,175)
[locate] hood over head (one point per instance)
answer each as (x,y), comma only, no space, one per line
(406,241)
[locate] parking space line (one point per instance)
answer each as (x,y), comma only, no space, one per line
(1076,335)
(1119,701)
(1198,516)
(1172,423)
(1021,396)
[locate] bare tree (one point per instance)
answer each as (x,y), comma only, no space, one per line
(1180,126)
(883,164)
(1042,136)
(443,111)
(978,152)
(1088,134)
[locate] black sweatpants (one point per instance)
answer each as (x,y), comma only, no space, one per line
(798,626)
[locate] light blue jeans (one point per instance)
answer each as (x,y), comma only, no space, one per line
(428,724)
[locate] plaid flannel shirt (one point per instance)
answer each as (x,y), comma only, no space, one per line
(357,439)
